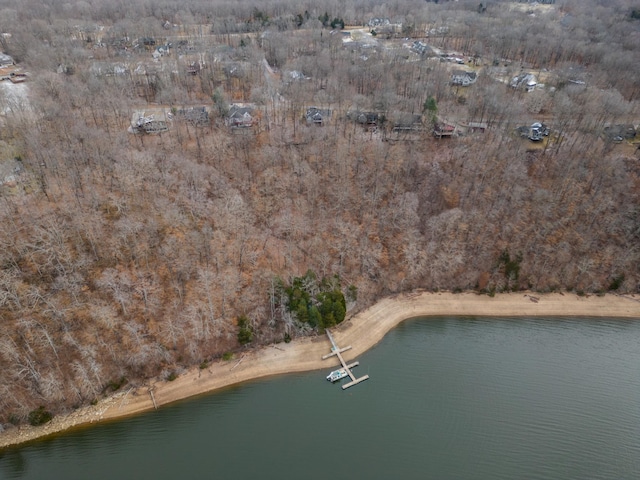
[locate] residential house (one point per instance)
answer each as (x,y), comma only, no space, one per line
(619,132)
(465,128)
(451,58)
(193,63)
(239,116)
(194,68)
(236,69)
(146,80)
(161,51)
(65,69)
(378,22)
(5,60)
(435,32)
(393,29)
(146,42)
(407,122)
(107,69)
(524,81)
(167,25)
(370,120)
(119,45)
(536,132)
(463,78)
(197,116)
(149,121)
(443,128)
(421,48)
(294,75)
(317,116)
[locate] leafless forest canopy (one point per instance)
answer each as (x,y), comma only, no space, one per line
(132,256)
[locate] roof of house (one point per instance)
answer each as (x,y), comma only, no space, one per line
(240,116)
(198,116)
(368,117)
(296,75)
(237,111)
(444,127)
(5,59)
(149,121)
(421,47)
(464,73)
(108,69)
(315,114)
(376,21)
(407,121)
(524,79)
(620,130)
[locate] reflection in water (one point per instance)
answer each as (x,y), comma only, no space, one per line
(12,463)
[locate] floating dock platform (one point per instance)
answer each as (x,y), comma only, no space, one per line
(335,350)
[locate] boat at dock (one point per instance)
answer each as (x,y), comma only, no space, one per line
(337,375)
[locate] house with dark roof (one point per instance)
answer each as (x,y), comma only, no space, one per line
(421,48)
(317,116)
(369,120)
(464,128)
(196,116)
(407,122)
(146,42)
(463,78)
(620,132)
(239,116)
(149,121)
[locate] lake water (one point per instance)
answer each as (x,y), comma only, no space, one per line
(448,398)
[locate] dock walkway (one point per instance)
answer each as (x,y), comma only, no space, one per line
(335,350)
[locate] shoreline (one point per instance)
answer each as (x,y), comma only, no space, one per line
(362,331)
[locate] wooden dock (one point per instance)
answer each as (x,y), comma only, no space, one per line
(335,350)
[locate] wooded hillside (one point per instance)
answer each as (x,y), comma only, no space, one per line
(125,256)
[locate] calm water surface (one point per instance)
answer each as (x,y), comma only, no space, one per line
(449,398)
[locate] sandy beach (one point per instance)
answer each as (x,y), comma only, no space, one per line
(362,331)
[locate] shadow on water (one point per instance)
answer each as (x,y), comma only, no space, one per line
(12,463)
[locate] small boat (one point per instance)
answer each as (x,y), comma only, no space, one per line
(337,375)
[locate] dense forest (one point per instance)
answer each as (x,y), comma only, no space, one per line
(183,179)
